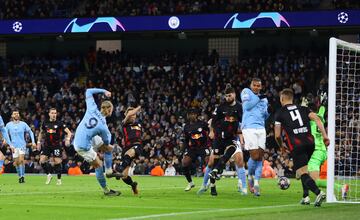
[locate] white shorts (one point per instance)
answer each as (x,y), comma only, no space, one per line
(90,155)
(254,138)
(18,152)
(238,148)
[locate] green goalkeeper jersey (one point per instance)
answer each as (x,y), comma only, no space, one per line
(319,142)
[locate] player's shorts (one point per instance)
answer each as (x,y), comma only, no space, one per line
(195,153)
(316,160)
(88,155)
(96,143)
(56,151)
(18,152)
(301,155)
(238,148)
(137,147)
(254,138)
(219,146)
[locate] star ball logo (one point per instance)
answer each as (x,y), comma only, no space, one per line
(343,17)
(17,26)
(174,22)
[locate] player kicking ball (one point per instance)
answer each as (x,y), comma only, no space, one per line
(93,124)
(295,122)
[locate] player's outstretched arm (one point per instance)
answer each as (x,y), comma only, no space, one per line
(320,125)
(68,136)
(277,132)
(89,94)
(131,113)
(29,131)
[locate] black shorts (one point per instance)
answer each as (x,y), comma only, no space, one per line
(301,155)
(3,149)
(219,146)
(51,151)
(137,147)
(195,153)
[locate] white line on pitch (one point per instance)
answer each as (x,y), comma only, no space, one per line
(203,211)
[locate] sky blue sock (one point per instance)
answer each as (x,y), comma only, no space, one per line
(206,175)
(242,176)
(251,167)
(100,176)
(22,170)
(108,160)
(258,171)
(18,171)
(1,163)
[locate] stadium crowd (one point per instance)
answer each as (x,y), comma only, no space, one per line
(165,86)
(14,9)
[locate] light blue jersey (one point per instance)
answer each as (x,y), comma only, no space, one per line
(254,110)
(4,131)
(16,131)
(93,123)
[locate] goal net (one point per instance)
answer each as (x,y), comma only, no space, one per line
(343,171)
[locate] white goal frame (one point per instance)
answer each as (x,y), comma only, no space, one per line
(333,43)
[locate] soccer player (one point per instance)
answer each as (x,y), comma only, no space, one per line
(131,131)
(224,130)
(53,131)
(253,129)
(6,138)
(195,144)
(17,130)
(94,124)
(319,155)
(294,120)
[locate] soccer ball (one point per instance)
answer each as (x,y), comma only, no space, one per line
(17,26)
(343,17)
(284,183)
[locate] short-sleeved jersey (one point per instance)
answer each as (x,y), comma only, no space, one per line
(53,131)
(17,133)
(295,123)
(132,133)
(196,135)
(226,120)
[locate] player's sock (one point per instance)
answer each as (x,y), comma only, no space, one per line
(251,167)
(227,155)
(310,183)
(46,167)
(100,177)
(242,176)
(128,180)
(321,183)
(187,174)
(305,190)
(126,161)
(108,161)
(22,170)
(18,171)
(212,182)
(58,170)
(258,169)
(206,176)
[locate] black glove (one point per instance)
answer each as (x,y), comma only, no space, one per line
(262,96)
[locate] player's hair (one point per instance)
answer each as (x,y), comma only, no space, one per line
(52,109)
(255,80)
(15,110)
(229,89)
(288,93)
(105,105)
(128,109)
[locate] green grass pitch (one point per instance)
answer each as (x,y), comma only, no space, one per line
(160,198)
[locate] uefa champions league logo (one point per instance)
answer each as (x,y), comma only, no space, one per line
(17,26)
(112,22)
(343,17)
(276,17)
(174,22)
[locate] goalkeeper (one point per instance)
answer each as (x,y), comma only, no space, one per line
(319,155)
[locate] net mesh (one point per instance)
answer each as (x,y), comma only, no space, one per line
(347,124)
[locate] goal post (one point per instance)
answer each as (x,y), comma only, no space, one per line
(343,164)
